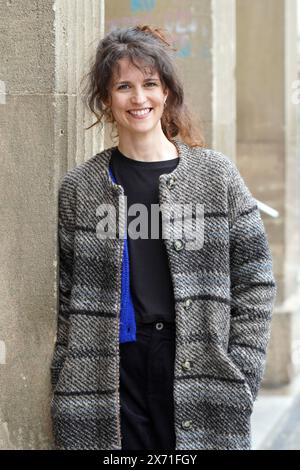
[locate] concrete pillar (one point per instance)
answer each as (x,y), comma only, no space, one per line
(267,157)
(43,48)
(79,25)
(204,34)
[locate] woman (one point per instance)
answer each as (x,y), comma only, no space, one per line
(161,342)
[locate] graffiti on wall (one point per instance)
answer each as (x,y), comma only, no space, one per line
(180,23)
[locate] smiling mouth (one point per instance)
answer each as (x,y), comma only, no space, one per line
(140,113)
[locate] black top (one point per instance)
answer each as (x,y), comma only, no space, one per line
(150,279)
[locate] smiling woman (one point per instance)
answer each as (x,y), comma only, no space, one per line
(134,70)
(161,343)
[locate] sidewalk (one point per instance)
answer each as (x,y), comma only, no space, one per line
(276,418)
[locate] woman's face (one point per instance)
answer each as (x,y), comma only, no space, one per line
(133,90)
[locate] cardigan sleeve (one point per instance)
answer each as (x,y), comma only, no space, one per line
(65,236)
(253,287)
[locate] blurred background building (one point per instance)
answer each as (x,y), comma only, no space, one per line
(239,61)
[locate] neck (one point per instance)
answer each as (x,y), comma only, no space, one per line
(146,148)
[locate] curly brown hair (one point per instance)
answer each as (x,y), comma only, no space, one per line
(148,45)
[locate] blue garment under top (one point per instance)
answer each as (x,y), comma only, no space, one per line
(127,314)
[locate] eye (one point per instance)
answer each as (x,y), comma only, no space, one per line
(121,87)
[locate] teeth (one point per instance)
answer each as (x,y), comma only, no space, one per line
(140,113)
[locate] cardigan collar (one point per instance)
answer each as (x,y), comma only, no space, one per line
(180,171)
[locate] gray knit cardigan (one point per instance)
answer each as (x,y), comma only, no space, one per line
(224,296)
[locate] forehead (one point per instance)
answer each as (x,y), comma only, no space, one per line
(125,69)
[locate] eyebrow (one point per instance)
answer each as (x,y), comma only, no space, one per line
(146,80)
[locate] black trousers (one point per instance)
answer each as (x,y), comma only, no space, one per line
(146,388)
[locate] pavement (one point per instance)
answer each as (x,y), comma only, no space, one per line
(276,418)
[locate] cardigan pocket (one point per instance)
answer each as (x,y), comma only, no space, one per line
(83,404)
(229,393)
(226,367)
(238,372)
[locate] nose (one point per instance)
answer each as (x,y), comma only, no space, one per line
(138,96)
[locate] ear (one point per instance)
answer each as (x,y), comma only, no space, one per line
(106,103)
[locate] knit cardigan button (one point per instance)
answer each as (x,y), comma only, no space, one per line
(186,424)
(178,245)
(171,182)
(186,365)
(187,303)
